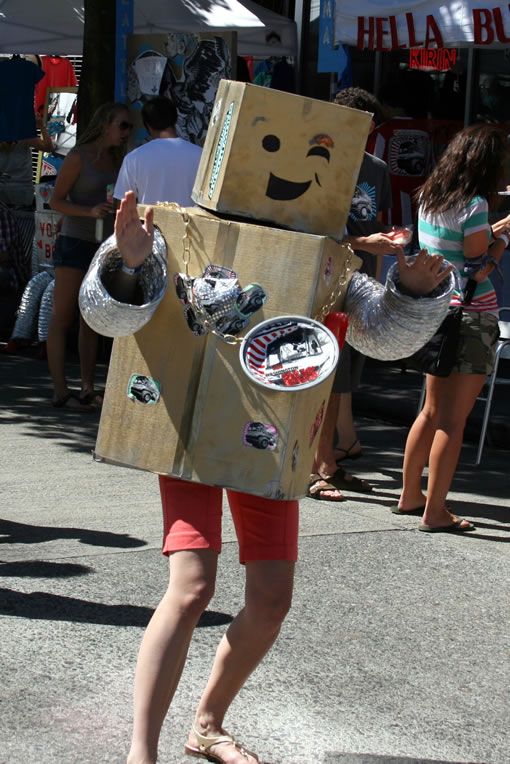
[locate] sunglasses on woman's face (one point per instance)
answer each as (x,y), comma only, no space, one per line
(125,125)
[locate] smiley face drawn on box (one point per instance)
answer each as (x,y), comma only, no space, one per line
(282,158)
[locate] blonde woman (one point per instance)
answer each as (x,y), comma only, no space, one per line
(85,179)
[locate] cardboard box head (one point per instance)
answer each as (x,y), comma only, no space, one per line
(281,158)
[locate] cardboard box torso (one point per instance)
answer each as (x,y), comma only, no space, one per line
(190,415)
(281,158)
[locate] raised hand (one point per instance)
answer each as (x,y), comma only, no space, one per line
(134,238)
(423,275)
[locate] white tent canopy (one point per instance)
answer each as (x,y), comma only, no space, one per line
(393,24)
(56,26)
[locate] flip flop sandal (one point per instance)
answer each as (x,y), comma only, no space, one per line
(347,452)
(92,398)
(201,751)
(62,403)
(455,527)
(416,511)
(343,482)
(315,490)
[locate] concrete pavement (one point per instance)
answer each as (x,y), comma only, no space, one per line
(396,649)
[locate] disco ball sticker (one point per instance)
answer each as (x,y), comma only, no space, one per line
(289,353)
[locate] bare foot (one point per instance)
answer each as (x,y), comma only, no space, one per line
(412,503)
(442,519)
(321,489)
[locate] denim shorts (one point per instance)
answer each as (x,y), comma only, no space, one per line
(479,334)
(73,253)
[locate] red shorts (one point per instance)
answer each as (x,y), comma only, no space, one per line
(266,529)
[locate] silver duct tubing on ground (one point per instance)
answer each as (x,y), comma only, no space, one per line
(388,325)
(101,311)
(45,312)
(28,311)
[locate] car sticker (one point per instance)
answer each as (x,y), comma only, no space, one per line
(143,389)
(260,435)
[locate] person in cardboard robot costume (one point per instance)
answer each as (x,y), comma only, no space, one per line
(222,368)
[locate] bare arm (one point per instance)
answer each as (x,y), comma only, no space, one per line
(66,178)
(475,245)
(378,243)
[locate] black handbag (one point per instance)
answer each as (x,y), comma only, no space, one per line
(438,355)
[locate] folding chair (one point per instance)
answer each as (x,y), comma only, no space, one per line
(502,351)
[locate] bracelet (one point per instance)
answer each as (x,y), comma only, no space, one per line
(503,237)
(130,271)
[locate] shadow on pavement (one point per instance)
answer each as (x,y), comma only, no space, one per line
(26,399)
(54,607)
(20,533)
(43,569)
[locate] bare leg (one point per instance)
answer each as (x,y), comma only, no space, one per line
(348,441)
(418,445)
(253,631)
(165,645)
(65,301)
(457,402)
(325,463)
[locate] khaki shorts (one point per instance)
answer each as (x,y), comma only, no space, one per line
(479,334)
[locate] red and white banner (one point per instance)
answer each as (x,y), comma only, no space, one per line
(384,25)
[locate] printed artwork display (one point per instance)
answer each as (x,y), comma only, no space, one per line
(185,67)
(61,118)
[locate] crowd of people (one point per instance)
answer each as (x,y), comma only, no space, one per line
(452,223)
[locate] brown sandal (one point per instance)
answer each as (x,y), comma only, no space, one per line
(63,403)
(344,481)
(205,743)
(315,490)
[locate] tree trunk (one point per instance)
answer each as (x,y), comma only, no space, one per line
(97,79)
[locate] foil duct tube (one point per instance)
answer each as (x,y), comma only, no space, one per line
(45,312)
(35,260)
(383,323)
(101,311)
(28,311)
(386,324)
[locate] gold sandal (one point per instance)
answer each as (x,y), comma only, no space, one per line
(201,751)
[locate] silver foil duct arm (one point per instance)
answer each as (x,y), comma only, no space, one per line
(386,324)
(28,311)
(101,311)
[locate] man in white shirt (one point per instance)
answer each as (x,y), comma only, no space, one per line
(164,168)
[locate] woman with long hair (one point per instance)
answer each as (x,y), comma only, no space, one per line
(81,194)
(453,221)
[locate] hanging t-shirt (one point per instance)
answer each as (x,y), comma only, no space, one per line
(405,145)
(18,78)
(59,74)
